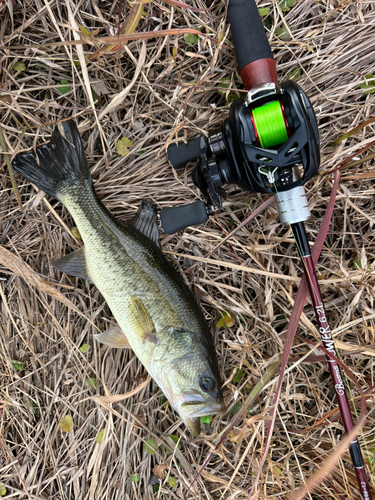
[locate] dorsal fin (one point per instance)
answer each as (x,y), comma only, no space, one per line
(145,221)
(74,264)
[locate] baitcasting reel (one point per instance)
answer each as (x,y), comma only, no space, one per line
(268,144)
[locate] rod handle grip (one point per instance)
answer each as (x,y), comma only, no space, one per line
(254,56)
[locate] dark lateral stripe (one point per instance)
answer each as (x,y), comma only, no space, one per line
(355,453)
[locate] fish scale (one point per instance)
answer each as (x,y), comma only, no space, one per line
(157,313)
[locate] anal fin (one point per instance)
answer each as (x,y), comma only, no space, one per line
(74,264)
(113,337)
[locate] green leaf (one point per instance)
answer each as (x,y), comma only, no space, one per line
(277,470)
(226,321)
(224,85)
(206,419)
(236,408)
(65,87)
(3,490)
(151,446)
(31,406)
(100,435)
(221,323)
(357,263)
(191,38)
(263,11)
(294,74)
(19,66)
(281,317)
(238,375)
(91,382)
(94,94)
(141,152)
(286,5)
(66,423)
(84,30)
(175,439)
(172,481)
(134,477)
(85,348)
(369,84)
(17,365)
(231,97)
(122,146)
(282,32)
(76,233)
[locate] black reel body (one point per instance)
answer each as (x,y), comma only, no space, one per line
(234,155)
(246,156)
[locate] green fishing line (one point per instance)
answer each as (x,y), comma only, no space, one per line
(270,124)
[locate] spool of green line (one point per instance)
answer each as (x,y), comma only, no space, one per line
(270,124)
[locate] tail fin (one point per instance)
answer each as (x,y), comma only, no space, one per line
(56,165)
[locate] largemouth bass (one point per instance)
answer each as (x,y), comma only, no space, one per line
(150,301)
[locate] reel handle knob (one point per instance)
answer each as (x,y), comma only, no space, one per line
(182,154)
(254,56)
(174,219)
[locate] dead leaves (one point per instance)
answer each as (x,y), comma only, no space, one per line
(120,397)
(158,471)
(23,270)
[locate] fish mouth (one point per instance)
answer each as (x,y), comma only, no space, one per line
(195,405)
(195,409)
(191,397)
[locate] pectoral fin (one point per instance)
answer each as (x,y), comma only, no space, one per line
(141,321)
(113,337)
(74,264)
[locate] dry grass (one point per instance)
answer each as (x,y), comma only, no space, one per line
(46,317)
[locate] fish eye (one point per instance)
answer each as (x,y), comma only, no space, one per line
(207,384)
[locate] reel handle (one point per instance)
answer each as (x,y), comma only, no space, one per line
(254,56)
(182,154)
(174,219)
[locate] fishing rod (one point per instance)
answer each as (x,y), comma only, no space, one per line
(268,144)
